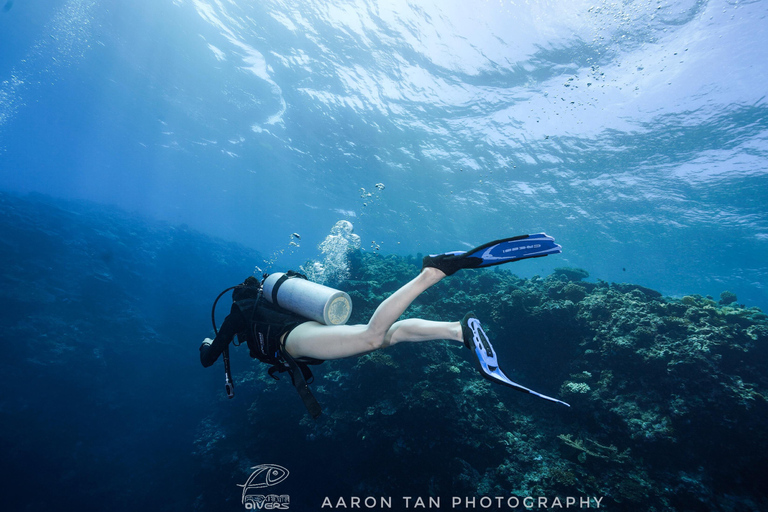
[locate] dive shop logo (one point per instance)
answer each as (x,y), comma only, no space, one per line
(263,476)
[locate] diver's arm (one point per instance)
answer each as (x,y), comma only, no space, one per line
(234,323)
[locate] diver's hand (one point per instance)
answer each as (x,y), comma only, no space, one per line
(206,343)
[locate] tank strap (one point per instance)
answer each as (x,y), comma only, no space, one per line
(281,280)
(279,283)
(301,377)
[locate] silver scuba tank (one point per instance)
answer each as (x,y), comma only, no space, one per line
(311,300)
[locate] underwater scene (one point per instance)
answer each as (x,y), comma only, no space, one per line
(155,153)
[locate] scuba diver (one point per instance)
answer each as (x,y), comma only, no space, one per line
(291,323)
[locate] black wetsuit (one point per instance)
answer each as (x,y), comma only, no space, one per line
(259,324)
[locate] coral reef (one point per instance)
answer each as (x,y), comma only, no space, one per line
(668,395)
(103,315)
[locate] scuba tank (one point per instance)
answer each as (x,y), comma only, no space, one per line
(303,297)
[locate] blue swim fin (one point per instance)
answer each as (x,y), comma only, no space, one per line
(476,340)
(494,253)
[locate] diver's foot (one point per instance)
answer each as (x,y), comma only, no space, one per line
(475,337)
(448,263)
(466,332)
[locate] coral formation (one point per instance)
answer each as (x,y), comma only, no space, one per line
(727,298)
(660,388)
(595,449)
(669,395)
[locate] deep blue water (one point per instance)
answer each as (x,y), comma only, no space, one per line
(634,132)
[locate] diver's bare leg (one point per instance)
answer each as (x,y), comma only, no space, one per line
(318,341)
(416,329)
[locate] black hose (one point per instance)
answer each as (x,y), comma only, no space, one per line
(213,309)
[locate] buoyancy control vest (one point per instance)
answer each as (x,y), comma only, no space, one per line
(268,320)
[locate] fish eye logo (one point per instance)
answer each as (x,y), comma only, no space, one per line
(263,476)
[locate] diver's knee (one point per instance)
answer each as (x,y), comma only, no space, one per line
(392,335)
(374,340)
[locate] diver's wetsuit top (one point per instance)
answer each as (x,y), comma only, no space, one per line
(262,325)
(259,324)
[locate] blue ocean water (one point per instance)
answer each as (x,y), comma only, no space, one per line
(634,132)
